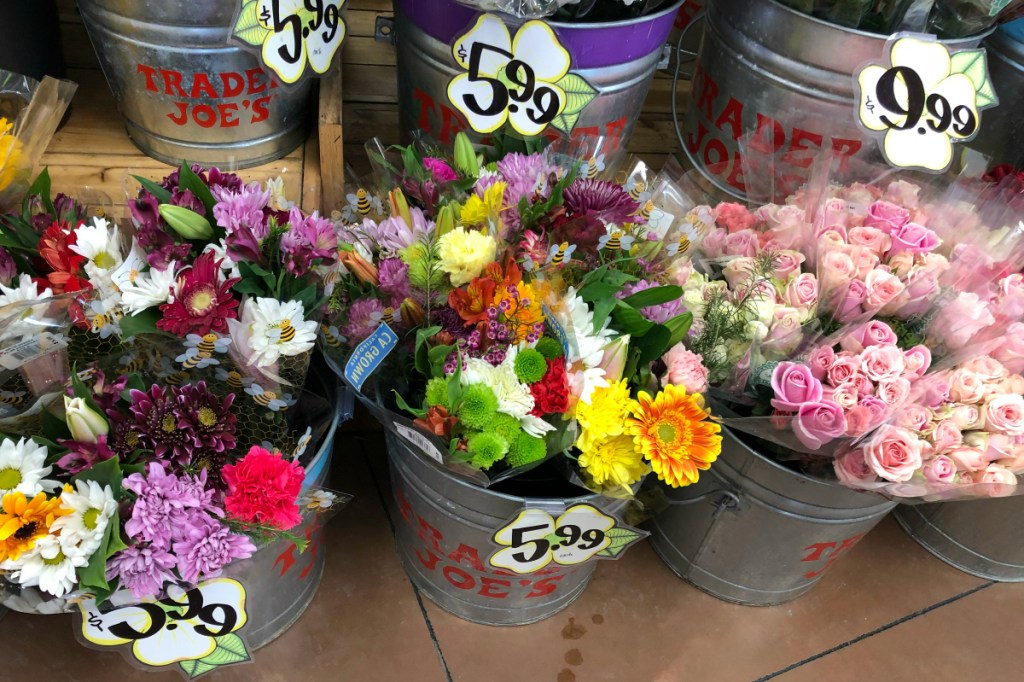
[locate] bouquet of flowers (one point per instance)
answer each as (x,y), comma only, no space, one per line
(571,10)
(531,311)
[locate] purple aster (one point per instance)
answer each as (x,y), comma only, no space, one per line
(207,547)
(81,455)
(308,238)
(245,207)
(156,423)
(143,570)
(394,235)
(206,419)
(659,314)
(363,318)
(166,505)
(525,174)
(394,279)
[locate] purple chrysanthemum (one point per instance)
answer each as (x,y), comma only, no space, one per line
(607,200)
(166,505)
(205,419)
(394,279)
(452,322)
(659,314)
(363,318)
(156,424)
(393,234)
(207,547)
(143,570)
(212,178)
(241,208)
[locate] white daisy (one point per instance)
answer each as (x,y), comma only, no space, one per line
(23,467)
(18,319)
(228,267)
(143,290)
(51,565)
(25,290)
(277,329)
(99,243)
(92,507)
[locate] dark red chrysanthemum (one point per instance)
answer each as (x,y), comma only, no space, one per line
(201,302)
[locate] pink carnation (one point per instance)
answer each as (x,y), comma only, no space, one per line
(685,369)
(263,488)
(734,217)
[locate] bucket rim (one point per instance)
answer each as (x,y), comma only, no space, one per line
(617,24)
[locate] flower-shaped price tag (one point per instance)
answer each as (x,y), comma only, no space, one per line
(534,539)
(923,101)
(194,628)
(289,34)
(523,81)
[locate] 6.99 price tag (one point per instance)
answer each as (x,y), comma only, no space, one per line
(523,81)
(923,101)
(534,539)
(289,34)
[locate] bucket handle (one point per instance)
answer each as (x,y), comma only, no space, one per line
(691,56)
(727,501)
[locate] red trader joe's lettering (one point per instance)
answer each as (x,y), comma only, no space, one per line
(829,552)
(464,568)
(254,86)
(720,121)
(287,558)
(687,13)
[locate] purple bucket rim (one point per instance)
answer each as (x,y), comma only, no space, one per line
(439,26)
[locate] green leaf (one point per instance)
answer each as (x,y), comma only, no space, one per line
(400,401)
(654,296)
(422,350)
(455,385)
(679,326)
(93,576)
(187,179)
(54,427)
(565,122)
(654,343)
(107,472)
(248,28)
(143,323)
(620,538)
(162,195)
(578,93)
(971,63)
(628,320)
(307,297)
(598,291)
(196,668)
(602,309)
(84,392)
(437,356)
(230,649)
(40,187)
(253,287)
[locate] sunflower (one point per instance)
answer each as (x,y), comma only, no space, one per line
(672,431)
(24,521)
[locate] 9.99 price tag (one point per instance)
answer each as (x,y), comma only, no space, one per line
(924,100)
(291,34)
(534,539)
(194,628)
(523,81)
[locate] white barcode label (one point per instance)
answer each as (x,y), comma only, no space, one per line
(25,351)
(420,441)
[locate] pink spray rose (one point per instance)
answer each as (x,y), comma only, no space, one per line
(844,368)
(966,417)
(820,360)
(794,385)
(894,454)
(864,385)
(894,392)
(880,363)
(819,423)
(939,469)
(914,417)
(882,288)
(886,216)
(685,369)
(914,238)
(1004,412)
(873,333)
(852,470)
(845,395)
(880,411)
(864,260)
(872,238)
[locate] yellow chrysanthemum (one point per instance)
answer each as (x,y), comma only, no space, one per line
(524,310)
(25,521)
(606,415)
(673,432)
(10,154)
(486,210)
(613,461)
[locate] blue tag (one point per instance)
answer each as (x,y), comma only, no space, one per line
(369,354)
(557,330)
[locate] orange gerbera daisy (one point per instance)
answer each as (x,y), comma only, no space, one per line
(673,432)
(24,521)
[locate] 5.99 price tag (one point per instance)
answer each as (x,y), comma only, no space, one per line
(923,101)
(523,81)
(289,34)
(534,539)
(194,628)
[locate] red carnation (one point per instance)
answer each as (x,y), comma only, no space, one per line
(551,394)
(263,488)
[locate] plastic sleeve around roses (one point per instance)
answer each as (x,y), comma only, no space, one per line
(33,129)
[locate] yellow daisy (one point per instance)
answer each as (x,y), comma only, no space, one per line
(673,432)
(25,521)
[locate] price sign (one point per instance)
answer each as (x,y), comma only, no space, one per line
(534,538)
(523,81)
(291,34)
(195,628)
(923,100)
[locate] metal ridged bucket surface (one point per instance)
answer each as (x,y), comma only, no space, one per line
(444,529)
(768,68)
(981,537)
(184,93)
(618,58)
(1001,137)
(753,532)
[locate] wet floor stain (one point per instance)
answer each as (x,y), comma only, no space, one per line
(574,657)
(573,630)
(566,675)
(597,619)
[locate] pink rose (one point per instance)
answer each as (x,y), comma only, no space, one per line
(845,395)
(917,361)
(914,238)
(802,291)
(848,305)
(871,238)
(1011,297)
(1010,352)
(1004,412)
(860,194)
(831,240)
(886,217)
(968,458)
(1014,383)
(894,454)
(946,436)
(737,271)
(997,481)
(914,417)
(966,417)
(966,387)
(873,333)
(713,244)
(820,360)
(794,385)
(835,211)
(786,263)
(843,368)
(852,470)
(939,469)
(859,420)
(818,423)
(685,369)
(784,333)
(903,193)
(836,271)
(1015,462)
(994,446)
(680,271)
(742,243)
(788,224)
(864,385)
(882,362)
(901,263)
(986,368)
(734,217)
(894,392)
(959,320)
(922,286)
(880,411)
(864,260)
(882,288)
(933,391)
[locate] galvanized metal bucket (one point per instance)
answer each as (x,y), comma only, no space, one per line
(184,93)
(1001,137)
(444,530)
(981,537)
(754,532)
(618,58)
(766,68)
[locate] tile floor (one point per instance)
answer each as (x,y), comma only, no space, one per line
(888,612)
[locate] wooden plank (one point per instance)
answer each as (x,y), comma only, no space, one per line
(312,185)
(370,83)
(363,50)
(332,153)
(75,44)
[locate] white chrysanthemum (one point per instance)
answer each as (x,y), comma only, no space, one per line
(17,318)
(23,468)
(143,290)
(278,328)
(92,507)
(228,267)
(576,318)
(51,565)
(26,290)
(514,397)
(99,243)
